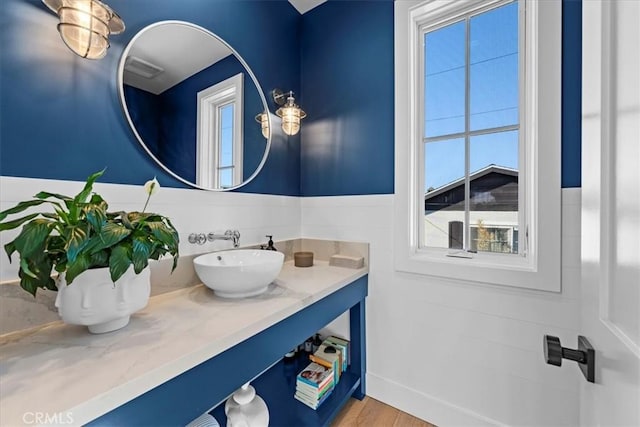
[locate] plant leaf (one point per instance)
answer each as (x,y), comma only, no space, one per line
(96,216)
(163,233)
(109,235)
(63,217)
(79,266)
(36,270)
(10,248)
(73,209)
(76,241)
(24,267)
(141,252)
(32,237)
(126,222)
(100,259)
(21,207)
(29,284)
(175,261)
(10,225)
(119,262)
(46,195)
(81,197)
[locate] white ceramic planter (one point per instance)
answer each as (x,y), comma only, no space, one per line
(95,301)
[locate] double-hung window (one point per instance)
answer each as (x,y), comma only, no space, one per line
(478,141)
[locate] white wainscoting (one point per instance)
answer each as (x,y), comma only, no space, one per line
(448,352)
(454,353)
(191,211)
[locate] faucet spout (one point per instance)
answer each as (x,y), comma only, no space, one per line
(233,235)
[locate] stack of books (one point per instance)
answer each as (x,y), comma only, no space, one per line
(333,353)
(314,385)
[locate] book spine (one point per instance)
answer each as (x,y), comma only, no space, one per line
(343,352)
(313,390)
(313,394)
(314,384)
(303,400)
(347,345)
(310,402)
(325,397)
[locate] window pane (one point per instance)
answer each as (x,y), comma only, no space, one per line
(494,192)
(225,177)
(444,193)
(444,80)
(494,68)
(443,163)
(226,136)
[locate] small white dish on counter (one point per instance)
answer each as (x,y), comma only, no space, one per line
(239,273)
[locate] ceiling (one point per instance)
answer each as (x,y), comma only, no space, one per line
(303,6)
(161,45)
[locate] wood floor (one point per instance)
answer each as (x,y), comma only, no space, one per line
(373,413)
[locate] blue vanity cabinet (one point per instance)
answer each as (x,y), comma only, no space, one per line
(194,392)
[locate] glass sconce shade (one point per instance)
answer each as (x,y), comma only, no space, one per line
(85,25)
(291,115)
(263,119)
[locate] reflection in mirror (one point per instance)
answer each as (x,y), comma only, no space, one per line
(191,101)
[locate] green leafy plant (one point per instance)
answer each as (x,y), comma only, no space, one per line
(81,234)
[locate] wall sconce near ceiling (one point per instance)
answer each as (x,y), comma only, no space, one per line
(85,25)
(263,119)
(289,111)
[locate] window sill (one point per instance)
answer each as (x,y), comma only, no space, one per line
(494,269)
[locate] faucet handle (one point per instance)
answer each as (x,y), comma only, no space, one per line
(200,239)
(235,235)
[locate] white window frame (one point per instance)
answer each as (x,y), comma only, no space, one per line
(538,266)
(210,100)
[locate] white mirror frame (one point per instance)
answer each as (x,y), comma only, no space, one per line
(123,103)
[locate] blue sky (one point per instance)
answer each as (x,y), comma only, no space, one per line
(493,94)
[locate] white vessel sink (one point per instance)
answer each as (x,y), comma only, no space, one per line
(239,273)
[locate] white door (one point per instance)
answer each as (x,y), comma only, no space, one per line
(611,210)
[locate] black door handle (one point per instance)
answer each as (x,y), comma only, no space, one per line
(585,355)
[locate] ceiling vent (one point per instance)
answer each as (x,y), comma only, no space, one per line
(141,68)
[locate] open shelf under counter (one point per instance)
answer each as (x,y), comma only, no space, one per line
(184,353)
(277,386)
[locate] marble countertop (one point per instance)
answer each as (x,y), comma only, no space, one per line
(64,372)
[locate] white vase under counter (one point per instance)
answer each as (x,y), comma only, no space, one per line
(66,370)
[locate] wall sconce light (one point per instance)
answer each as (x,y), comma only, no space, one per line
(263,119)
(85,25)
(289,111)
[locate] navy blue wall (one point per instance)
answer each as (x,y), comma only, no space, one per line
(55,105)
(571,93)
(144,110)
(347,90)
(60,114)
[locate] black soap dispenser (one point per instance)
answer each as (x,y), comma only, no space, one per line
(270,246)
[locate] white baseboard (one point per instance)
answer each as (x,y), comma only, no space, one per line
(423,406)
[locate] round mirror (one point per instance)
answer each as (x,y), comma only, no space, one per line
(194,105)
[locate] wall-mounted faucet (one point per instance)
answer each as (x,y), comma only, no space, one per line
(201,238)
(228,235)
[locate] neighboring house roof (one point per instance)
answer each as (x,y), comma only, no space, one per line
(493,188)
(477,174)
